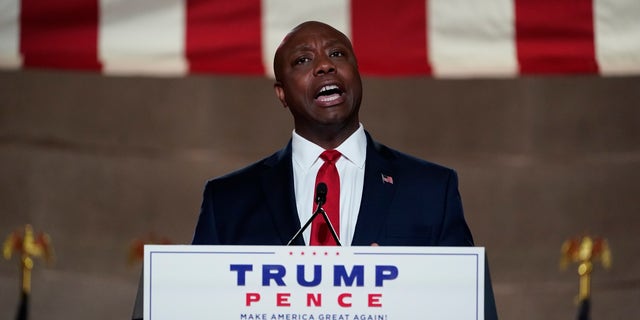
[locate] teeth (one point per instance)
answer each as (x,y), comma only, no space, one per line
(329,87)
(328,98)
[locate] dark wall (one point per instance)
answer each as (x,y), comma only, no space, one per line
(99,161)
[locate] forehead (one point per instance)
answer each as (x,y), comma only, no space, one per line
(311,35)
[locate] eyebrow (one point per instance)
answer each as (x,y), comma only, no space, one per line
(330,43)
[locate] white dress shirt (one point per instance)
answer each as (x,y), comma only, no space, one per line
(307,162)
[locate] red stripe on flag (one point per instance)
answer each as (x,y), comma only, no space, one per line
(555,36)
(390,37)
(224,36)
(59,34)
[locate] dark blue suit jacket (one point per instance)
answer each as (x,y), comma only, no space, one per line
(256,205)
(422,207)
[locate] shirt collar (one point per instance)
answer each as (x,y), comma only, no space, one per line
(306,153)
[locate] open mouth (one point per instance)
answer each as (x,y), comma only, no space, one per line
(329,93)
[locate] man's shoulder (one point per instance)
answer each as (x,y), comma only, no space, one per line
(406,161)
(252,171)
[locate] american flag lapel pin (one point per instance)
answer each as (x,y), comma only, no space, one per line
(386,178)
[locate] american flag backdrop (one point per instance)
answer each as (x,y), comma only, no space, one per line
(439,38)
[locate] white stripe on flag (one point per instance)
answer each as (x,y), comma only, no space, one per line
(617,36)
(10,56)
(280,16)
(472,38)
(142,37)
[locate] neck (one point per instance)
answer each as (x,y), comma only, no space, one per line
(329,137)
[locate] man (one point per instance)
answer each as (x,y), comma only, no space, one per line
(385,197)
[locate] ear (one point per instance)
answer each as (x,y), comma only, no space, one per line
(280,93)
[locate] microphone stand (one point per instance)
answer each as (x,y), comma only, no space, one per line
(319,210)
(331,229)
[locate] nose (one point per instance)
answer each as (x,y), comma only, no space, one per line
(324,65)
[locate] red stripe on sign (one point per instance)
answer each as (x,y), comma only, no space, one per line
(390,37)
(60,34)
(555,36)
(224,36)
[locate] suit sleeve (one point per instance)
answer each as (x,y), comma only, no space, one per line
(454,230)
(138,304)
(206,232)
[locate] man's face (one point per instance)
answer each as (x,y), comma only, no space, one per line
(317,78)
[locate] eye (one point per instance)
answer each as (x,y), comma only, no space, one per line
(301,60)
(337,53)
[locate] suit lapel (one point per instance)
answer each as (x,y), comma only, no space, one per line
(277,184)
(376,194)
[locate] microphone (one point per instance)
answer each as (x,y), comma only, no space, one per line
(321,199)
(321,194)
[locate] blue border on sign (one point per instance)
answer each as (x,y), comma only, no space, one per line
(434,254)
(151,253)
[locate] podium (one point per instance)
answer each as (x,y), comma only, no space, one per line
(313,283)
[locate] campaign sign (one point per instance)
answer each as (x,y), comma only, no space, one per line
(313,283)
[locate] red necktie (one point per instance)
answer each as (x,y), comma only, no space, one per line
(320,234)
